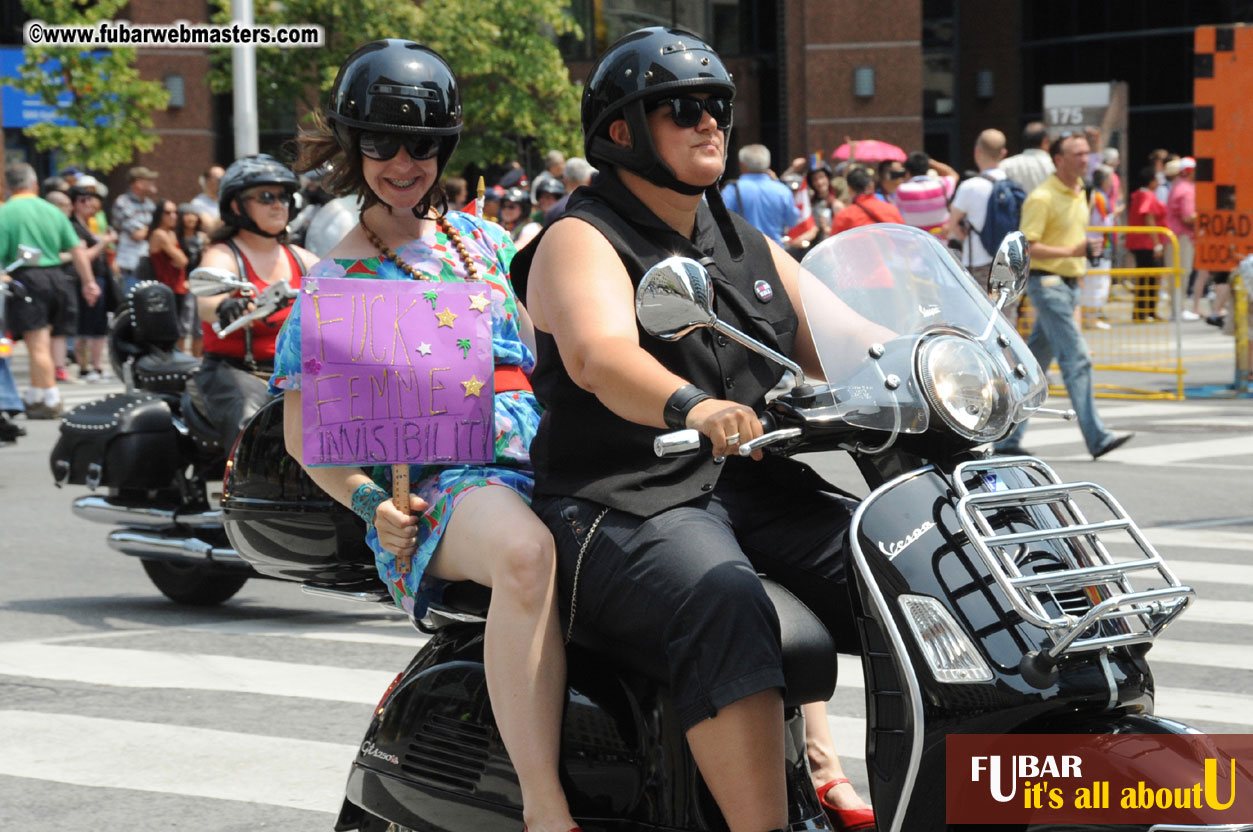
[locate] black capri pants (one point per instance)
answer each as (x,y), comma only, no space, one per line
(684,585)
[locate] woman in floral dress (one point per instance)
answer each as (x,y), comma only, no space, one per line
(468,522)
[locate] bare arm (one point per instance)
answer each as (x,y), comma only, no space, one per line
(832,315)
(1039,250)
(396,530)
(954,228)
(162,240)
(581,293)
(82,264)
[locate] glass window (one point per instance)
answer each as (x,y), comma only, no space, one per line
(937,85)
(605,22)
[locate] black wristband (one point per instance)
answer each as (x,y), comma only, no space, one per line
(680,402)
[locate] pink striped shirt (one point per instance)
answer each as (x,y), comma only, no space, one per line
(923,201)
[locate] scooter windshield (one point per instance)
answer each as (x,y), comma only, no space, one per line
(890,285)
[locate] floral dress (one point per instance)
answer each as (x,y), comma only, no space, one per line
(516,412)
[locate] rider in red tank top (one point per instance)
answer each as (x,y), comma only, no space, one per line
(264,333)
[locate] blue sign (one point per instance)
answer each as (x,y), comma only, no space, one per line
(22,109)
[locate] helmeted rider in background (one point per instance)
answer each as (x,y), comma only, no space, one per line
(254,198)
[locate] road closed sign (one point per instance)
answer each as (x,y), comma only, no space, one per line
(1223,99)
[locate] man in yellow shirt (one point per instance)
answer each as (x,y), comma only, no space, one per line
(1054,219)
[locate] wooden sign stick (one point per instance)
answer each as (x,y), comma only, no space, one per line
(400,497)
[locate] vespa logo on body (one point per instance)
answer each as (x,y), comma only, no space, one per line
(369,749)
(895,548)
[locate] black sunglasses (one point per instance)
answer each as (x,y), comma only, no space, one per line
(383,146)
(270,197)
(687,112)
(897,173)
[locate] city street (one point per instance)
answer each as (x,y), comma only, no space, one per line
(122,711)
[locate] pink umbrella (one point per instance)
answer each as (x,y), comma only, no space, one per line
(871,150)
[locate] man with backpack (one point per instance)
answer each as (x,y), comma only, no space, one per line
(985,208)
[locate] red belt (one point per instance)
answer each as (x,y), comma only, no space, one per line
(510,377)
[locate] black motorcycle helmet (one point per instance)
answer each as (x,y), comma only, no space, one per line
(519,195)
(642,67)
(248,172)
(639,69)
(396,86)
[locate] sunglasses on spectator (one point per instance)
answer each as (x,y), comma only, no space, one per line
(269,197)
(383,146)
(687,112)
(897,173)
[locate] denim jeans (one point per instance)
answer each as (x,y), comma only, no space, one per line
(129,281)
(10,399)
(1055,334)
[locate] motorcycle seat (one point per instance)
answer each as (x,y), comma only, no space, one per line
(809,654)
(164,371)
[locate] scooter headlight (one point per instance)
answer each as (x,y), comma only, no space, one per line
(949,652)
(964,387)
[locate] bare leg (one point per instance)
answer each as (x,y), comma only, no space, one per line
(38,345)
(1222,293)
(97,353)
(740,755)
(1198,289)
(494,539)
(824,763)
(59,351)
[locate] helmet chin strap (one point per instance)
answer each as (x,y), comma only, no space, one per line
(247,224)
(642,159)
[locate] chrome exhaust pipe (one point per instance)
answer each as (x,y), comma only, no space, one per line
(171,546)
(112,512)
(378,596)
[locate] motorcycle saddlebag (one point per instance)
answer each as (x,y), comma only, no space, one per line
(123,440)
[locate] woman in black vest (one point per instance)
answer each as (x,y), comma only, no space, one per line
(657,555)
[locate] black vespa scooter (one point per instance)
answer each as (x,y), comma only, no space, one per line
(985,598)
(154,450)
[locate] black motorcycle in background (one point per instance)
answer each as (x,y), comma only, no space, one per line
(984,596)
(153,455)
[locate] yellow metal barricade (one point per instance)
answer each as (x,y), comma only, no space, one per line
(1240,320)
(1132,329)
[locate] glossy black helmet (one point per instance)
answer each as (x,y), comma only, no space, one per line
(640,68)
(249,172)
(553,187)
(396,86)
(517,194)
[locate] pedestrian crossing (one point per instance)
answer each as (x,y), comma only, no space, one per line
(92,731)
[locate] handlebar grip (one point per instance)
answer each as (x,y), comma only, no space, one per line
(677,442)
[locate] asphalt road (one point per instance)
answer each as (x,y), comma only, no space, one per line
(122,711)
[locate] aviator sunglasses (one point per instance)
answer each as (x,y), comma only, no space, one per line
(687,112)
(268,198)
(383,146)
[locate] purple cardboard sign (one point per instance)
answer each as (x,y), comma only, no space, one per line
(396,371)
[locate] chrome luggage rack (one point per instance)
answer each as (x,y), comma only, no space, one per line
(1138,615)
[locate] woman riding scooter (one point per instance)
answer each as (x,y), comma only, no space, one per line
(255,200)
(394,121)
(662,556)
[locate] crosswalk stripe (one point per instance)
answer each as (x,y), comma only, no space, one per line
(1161,536)
(174,759)
(1201,653)
(1192,450)
(1200,572)
(120,667)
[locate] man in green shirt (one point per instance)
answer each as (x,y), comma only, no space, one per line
(42,304)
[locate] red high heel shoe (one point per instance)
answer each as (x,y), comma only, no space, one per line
(850,820)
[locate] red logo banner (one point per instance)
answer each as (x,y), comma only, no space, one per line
(1099,778)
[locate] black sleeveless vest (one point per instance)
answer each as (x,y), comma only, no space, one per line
(583,449)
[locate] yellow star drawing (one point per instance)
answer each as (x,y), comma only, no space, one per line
(479,302)
(473,386)
(446,317)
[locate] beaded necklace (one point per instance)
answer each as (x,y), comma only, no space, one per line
(442,223)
